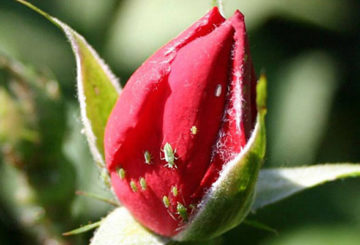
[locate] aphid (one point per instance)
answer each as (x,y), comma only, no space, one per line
(133,186)
(121,173)
(218,90)
(174,191)
(169,156)
(147,157)
(182,211)
(166,201)
(193,130)
(143,183)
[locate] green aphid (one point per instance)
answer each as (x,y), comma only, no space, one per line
(121,173)
(182,211)
(166,201)
(169,156)
(133,186)
(193,130)
(143,183)
(147,157)
(174,191)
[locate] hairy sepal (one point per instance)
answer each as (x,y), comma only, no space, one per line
(228,201)
(98,89)
(119,227)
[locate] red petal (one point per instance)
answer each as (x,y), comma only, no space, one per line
(145,82)
(240,114)
(182,85)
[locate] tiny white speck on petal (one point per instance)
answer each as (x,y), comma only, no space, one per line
(218,90)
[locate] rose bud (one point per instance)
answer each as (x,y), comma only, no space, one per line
(182,118)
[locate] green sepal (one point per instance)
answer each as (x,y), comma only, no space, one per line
(119,227)
(98,89)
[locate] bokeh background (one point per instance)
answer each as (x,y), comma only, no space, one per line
(310,51)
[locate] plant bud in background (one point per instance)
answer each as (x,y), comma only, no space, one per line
(33,115)
(32,127)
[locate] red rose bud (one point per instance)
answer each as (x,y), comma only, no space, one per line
(185,113)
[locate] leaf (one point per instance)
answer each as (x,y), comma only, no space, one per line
(98,89)
(279,183)
(83,229)
(119,227)
(233,191)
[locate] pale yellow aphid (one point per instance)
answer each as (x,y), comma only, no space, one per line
(193,130)
(133,186)
(147,157)
(166,201)
(143,183)
(174,191)
(121,173)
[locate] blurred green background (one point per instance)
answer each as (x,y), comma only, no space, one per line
(310,51)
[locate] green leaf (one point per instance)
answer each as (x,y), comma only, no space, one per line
(119,227)
(279,183)
(98,89)
(229,199)
(83,229)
